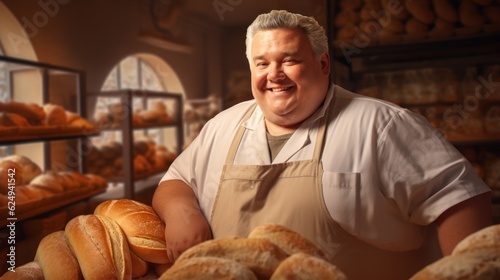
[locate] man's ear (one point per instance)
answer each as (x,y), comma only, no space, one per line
(325,63)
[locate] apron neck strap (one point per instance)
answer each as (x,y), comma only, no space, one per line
(238,136)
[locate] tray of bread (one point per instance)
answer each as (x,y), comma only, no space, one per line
(29,122)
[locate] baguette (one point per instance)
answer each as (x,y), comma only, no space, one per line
(100,247)
(259,254)
(208,268)
(143,229)
(55,246)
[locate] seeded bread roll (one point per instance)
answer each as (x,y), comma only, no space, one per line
(302,266)
(143,229)
(100,247)
(288,240)
(208,268)
(259,254)
(52,247)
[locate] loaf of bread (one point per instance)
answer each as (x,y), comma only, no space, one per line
(477,266)
(421,10)
(144,230)
(100,247)
(12,172)
(486,238)
(208,268)
(259,254)
(54,114)
(28,271)
(48,181)
(29,168)
(288,240)
(302,266)
(445,10)
(13,120)
(32,113)
(56,259)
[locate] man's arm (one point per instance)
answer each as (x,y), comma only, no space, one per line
(185,226)
(462,220)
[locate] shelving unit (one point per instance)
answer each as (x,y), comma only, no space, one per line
(15,136)
(469,56)
(127,129)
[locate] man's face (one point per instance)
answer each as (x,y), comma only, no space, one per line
(288,81)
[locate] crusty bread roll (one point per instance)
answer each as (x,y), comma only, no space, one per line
(302,266)
(289,241)
(259,254)
(413,26)
(31,112)
(54,114)
(48,181)
(29,168)
(56,259)
(477,266)
(100,247)
(208,268)
(442,29)
(12,172)
(28,271)
(396,8)
(469,15)
(13,120)
(486,238)
(144,230)
(421,10)
(445,10)
(97,182)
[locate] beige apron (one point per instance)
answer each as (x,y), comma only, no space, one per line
(291,194)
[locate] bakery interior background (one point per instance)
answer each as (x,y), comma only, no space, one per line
(445,66)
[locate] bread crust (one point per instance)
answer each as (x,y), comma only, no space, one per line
(55,246)
(100,247)
(259,254)
(143,229)
(304,266)
(289,241)
(208,268)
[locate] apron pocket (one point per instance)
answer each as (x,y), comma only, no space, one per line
(342,196)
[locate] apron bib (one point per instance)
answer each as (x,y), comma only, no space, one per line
(291,194)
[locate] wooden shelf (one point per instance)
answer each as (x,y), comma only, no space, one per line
(479,138)
(46,207)
(17,135)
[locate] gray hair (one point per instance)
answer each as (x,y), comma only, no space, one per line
(284,19)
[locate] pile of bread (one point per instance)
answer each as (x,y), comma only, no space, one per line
(391,21)
(116,113)
(475,257)
(15,114)
(125,239)
(32,188)
(148,157)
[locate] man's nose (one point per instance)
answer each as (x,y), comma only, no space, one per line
(275,73)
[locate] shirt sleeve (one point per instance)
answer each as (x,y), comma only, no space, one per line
(421,172)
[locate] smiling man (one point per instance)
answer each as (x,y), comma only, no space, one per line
(371,183)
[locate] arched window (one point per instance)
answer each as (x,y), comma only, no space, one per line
(143,72)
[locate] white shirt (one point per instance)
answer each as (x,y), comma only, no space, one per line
(387,172)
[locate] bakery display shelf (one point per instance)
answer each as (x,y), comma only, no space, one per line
(143,126)
(17,135)
(426,49)
(46,207)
